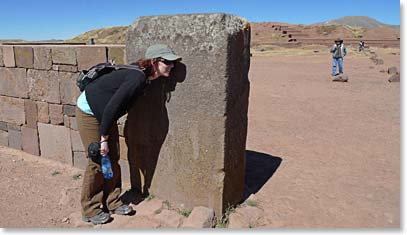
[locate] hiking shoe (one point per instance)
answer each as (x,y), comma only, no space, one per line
(100,218)
(123,210)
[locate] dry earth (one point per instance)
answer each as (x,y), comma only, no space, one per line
(338,143)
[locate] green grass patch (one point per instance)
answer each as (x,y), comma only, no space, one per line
(167,204)
(185,212)
(77,177)
(158,211)
(223,222)
(150,197)
(251,203)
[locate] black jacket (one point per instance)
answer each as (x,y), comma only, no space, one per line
(111,95)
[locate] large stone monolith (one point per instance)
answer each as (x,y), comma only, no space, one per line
(187,134)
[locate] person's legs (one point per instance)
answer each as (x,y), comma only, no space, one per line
(92,187)
(340,64)
(112,188)
(334,62)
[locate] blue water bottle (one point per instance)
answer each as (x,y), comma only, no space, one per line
(107,167)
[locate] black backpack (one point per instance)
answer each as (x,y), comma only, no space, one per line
(87,76)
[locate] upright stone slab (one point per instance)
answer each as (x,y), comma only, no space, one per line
(90,55)
(24,56)
(12,110)
(13,82)
(55,142)
(192,149)
(42,58)
(43,86)
(8,56)
(1,57)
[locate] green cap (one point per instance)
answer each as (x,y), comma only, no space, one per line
(161,51)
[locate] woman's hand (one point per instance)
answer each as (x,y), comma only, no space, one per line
(104,148)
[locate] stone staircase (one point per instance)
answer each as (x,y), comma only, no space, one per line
(292,33)
(296,36)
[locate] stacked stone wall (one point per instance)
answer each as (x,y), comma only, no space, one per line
(38,97)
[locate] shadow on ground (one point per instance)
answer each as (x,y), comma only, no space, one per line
(260,167)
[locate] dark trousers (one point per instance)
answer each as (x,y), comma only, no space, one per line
(97,191)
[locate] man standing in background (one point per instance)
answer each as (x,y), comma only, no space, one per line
(338,51)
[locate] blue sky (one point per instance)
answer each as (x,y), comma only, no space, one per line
(57,19)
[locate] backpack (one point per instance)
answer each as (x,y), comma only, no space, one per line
(87,76)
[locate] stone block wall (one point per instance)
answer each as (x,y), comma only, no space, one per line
(38,97)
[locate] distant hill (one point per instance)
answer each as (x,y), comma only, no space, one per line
(357,21)
(108,35)
(5,41)
(356,27)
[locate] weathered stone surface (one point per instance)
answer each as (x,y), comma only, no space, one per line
(3,126)
(77,145)
(340,78)
(72,123)
(66,121)
(116,53)
(13,82)
(55,142)
(69,110)
(90,55)
(200,217)
(199,137)
(56,114)
(31,113)
(247,217)
(125,171)
(43,111)
(42,58)
(4,138)
(64,67)
(69,91)
(123,148)
(121,124)
(121,129)
(8,56)
(79,160)
(394,78)
(30,142)
(379,61)
(392,70)
(1,56)
(169,219)
(12,110)
(14,139)
(237,220)
(139,222)
(148,207)
(24,56)
(12,126)
(63,55)
(44,86)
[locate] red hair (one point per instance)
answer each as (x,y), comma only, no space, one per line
(146,65)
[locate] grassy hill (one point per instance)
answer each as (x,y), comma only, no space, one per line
(357,21)
(108,35)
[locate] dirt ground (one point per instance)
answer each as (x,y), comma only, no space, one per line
(339,145)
